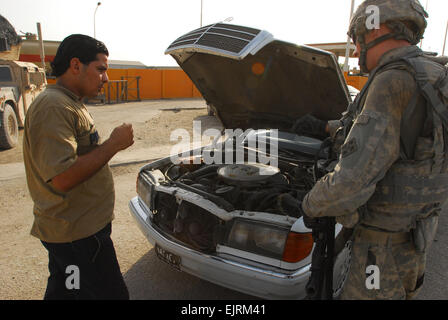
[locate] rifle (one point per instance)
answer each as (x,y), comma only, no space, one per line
(320,283)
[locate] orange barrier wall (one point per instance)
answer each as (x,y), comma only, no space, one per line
(158,83)
(355,81)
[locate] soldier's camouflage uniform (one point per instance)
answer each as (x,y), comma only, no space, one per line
(391,135)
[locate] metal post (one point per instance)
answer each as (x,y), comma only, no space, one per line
(444,42)
(94,20)
(126,91)
(117,91)
(347,48)
(201,12)
(41,45)
(138,88)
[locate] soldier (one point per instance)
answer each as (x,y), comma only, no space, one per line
(69,178)
(391,177)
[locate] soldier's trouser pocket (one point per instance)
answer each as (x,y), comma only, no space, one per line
(424,233)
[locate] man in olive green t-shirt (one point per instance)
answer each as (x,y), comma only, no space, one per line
(69,178)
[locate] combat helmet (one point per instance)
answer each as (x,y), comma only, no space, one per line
(406,19)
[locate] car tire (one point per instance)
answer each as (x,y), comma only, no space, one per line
(9,128)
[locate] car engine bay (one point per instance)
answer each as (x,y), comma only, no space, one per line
(252,188)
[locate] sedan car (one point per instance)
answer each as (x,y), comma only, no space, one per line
(221,220)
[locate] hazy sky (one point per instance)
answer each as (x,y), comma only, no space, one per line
(141,30)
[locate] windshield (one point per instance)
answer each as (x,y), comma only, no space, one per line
(5,74)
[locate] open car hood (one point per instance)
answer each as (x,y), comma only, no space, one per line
(252,80)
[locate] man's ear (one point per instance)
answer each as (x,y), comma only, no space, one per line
(75,65)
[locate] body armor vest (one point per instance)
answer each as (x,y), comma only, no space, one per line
(416,187)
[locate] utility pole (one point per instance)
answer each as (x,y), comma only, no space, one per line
(41,45)
(444,42)
(94,20)
(201,13)
(347,48)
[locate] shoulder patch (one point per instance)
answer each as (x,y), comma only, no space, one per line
(362,119)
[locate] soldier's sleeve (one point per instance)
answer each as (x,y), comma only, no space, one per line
(52,140)
(371,147)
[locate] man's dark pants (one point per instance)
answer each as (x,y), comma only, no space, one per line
(95,259)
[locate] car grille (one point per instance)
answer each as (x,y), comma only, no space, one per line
(186,222)
(220,36)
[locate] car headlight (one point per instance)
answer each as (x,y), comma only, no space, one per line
(269,240)
(144,191)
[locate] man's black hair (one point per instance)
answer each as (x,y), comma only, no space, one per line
(79,46)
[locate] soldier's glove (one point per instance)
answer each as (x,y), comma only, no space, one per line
(288,205)
(349,220)
(309,222)
(310,125)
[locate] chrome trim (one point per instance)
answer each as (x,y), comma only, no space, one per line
(279,275)
(228,36)
(236,30)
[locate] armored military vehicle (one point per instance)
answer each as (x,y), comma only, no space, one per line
(20,83)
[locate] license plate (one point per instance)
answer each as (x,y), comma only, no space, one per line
(168,257)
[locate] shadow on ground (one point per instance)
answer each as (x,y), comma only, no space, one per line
(151,279)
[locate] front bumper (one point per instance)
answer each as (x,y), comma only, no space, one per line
(232,274)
